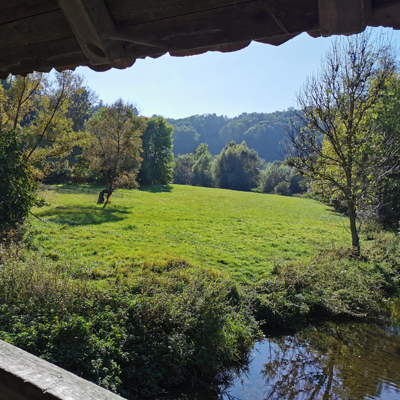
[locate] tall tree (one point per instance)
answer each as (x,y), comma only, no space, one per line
(183,169)
(333,136)
(33,129)
(201,171)
(156,152)
(113,147)
(82,104)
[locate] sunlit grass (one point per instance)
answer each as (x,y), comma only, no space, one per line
(243,234)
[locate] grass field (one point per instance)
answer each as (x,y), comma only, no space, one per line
(241,233)
(105,293)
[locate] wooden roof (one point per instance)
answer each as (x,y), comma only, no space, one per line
(42,34)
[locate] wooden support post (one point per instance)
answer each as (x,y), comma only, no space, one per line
(343,17)
(93,26)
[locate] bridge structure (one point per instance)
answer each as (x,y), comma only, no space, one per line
(38,35)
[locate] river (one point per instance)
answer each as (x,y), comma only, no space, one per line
(329,361)
(346,361)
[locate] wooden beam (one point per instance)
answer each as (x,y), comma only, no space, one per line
(343,17)
(93,26)
(231,24)
(39,28)
(277,40)
(42,57)
(24,9)
(26,377)
(387,15)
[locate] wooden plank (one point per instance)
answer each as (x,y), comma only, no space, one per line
(127,13)
(37,29)
(18,9)
(26,377)
(93,26)
(277,40)
(42,56)
(346,17)
(387,15)
(223,48)
(244,22)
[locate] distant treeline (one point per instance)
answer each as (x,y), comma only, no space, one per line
(237,167)
(262,132)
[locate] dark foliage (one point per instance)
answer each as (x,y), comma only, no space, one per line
(237,167)
(17,186)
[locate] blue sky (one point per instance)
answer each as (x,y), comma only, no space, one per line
(259,78)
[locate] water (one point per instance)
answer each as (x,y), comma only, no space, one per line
(352,361)
(331,361)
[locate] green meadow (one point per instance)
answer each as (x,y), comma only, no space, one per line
(170,285)
(240,233)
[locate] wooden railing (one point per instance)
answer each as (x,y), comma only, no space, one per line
(26,377)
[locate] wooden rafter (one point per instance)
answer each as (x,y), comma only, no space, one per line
(103,34)
(345,17)
(93,27)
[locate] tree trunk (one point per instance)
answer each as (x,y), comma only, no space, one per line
(100,199)
(355,240)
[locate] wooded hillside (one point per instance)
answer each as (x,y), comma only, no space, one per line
(262,132)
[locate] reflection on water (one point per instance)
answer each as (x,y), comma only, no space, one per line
(348,361)
(335,361)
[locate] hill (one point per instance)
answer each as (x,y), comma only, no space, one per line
(262,132)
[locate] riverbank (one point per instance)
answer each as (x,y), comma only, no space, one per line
(174,323)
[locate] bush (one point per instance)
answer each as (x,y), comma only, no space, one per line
(236,167)
(136,336)
(334,285)
(281,179)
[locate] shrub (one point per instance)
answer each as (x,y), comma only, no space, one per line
(136,336)
(333,285)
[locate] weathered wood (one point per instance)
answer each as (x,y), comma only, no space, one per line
(26,377)
(233,24)
(277,40)
(93,26)
(128,13)
(113,33)
(18,9)
(387,15)
(36,29)
(343,16)
(223,48)
(40,56)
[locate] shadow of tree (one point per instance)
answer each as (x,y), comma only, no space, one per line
(156,188)
(89,215)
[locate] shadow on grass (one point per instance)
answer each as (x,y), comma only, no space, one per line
(89,215)
(156,188)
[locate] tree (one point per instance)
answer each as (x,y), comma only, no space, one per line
(183,169)
(333,134)
(279,178)
(186,139)
(383,203)
(33,129)
(201,170)
(83,101)
(236,167)
(113,147)
(156,152)
(17,185)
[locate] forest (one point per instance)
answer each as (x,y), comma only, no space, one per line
(147,253)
